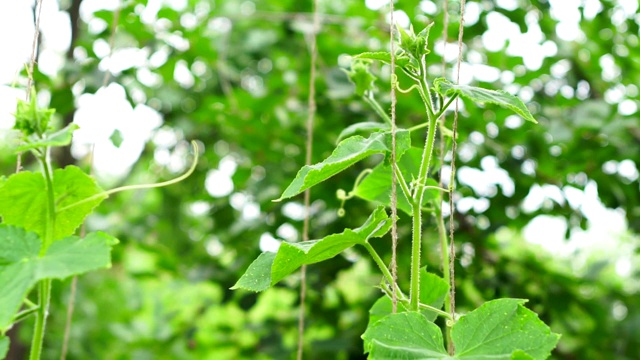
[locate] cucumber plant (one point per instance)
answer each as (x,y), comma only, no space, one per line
(498,329)
(40,213)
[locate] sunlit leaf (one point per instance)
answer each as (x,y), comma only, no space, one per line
(21,266)
(269,268)
(484,96)
(23,200)
(347,153)
(4,346)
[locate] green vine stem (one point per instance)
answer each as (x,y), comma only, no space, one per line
(44,286)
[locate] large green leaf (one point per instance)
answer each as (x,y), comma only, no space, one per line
(433,290)
(404,335)
(499,329)
(269,268)
(347,153)
(59,138)
(484,96)
(23,200)
(376,187)
(21,267)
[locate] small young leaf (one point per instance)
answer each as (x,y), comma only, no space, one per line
(499,328)
(347,153)
(361,76)
(362,126)
(30,119)
(59,138)
(484,96)
(405,335)
(21,266)
(23,200)
(268,269)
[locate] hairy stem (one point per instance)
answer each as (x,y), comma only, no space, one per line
(44,286)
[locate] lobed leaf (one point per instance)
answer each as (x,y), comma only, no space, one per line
(21,267)
(433,290)
(484,96)
(499,329)
(269,268)
(347,153)
(23,200)
(404,335)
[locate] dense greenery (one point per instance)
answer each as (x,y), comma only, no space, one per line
(181,248)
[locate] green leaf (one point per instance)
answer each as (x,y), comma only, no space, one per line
(4,346)
(347,153)
(405,335)
(484,96)
(433,290)
(268,269)
(376,187)
(23,200)
(59,138)
(21,266)
(500,327)
(362,126)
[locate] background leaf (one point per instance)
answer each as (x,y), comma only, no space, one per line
(347,153)
(291,256)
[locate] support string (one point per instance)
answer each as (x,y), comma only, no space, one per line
(394,195)
(452,249)
(74,281)
(307,194)
(32,62)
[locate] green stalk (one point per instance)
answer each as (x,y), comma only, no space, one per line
(418,196)
(377,108)
(44,286)
(378,260)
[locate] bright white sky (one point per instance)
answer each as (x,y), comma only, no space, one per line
(108,110)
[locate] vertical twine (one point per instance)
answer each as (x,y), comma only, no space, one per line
(32,62)
(394,196)
(452,249)
(307,194)
(74,281)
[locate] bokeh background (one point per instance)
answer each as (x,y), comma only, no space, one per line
(547,212)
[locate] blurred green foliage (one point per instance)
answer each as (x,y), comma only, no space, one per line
(167,295)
